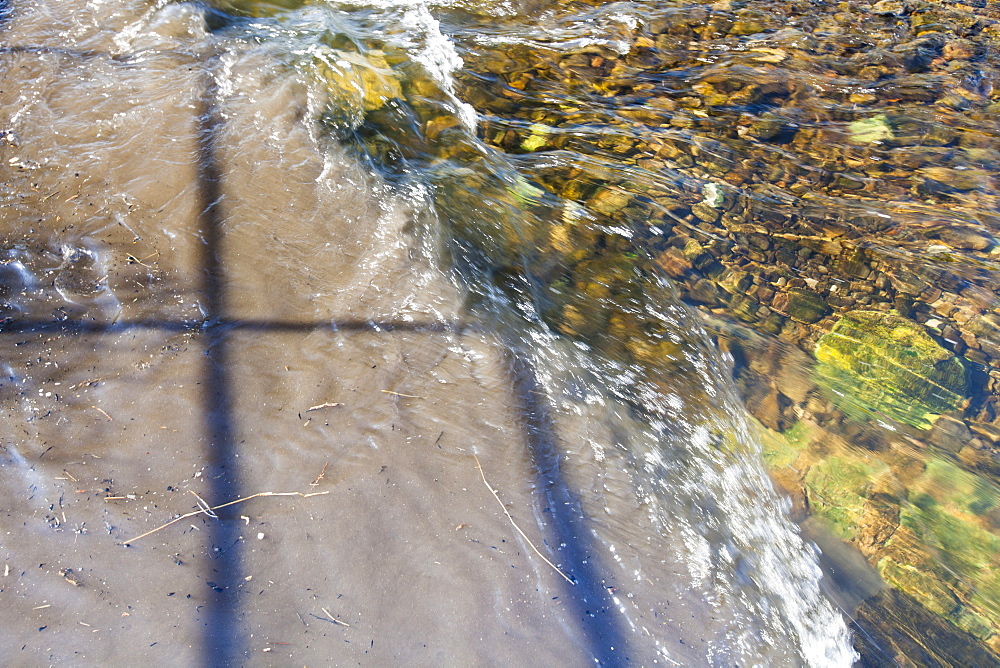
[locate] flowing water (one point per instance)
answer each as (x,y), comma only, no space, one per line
(284,248)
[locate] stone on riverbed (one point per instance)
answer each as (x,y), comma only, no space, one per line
(356,83)
(257,8)
(881,363)
(955,572)
(870,130)
(802,305)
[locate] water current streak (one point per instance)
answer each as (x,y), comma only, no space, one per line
(222,642)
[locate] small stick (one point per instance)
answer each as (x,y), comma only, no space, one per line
(132,258)
(102,412)
(408,396)
(86,382)
(223,505)
(320,476)
(329,404)
(505,512)
(204,505)
(334,619)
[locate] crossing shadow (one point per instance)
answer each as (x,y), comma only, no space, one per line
(223,640)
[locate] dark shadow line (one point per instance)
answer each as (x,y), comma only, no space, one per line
(223,641)
(589,599)
(215,324)
(29,326)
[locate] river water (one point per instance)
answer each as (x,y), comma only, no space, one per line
(267,250)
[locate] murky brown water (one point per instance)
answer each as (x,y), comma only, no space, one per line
(209,296)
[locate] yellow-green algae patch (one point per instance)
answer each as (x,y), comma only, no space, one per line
(870,130)
(873,362)
(782,449)
(944,551)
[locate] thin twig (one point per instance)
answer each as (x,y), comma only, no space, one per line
(334,619)
(329,404)
(320,476)
(132,258)
(94,381)
(514,524)
(400,394)
(201,511)
(204,505)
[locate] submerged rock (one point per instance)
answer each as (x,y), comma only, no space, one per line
(944,554)
(257,8)
(882,363)
(870,130)
(805,305)
(356,82)
(930,641)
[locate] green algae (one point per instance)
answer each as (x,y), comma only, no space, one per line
(782,449)
(924,587)
(882,363)
(952,511)
(945,553)
(838,489)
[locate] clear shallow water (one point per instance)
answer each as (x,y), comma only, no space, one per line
(214,225)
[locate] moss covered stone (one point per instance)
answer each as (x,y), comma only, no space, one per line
(539,137)
(881,363)
(806,306)
(919,584)
(870,130)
